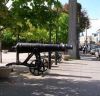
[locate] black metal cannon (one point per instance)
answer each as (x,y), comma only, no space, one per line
(37,66)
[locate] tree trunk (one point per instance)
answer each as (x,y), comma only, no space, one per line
(0,52)
(73,35)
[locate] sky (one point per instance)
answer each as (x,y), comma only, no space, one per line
(92,7)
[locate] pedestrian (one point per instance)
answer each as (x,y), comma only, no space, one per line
(84,49)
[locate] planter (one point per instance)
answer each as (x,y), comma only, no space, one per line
(66,57)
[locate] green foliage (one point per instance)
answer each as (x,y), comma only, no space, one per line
(84,21)
(7,39)
(63,28)
(35,35)
(5,15)
(37,12)
(33,19)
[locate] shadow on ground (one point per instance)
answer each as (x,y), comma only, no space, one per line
(22,85)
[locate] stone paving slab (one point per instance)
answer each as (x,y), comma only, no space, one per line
(69,78)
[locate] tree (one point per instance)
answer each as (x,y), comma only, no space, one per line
(37,12)
(72,36)
(76,26)
(62,28)
(84,21)
(82,24)
(8,39)
(5,15)
(82,17)
(4,20)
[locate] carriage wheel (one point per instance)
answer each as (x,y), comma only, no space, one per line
(38,68)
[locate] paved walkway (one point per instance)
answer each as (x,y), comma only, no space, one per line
(69,78)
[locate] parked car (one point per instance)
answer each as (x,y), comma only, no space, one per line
(97,53)
(92,51)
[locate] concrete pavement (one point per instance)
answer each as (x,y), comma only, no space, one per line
(69,78)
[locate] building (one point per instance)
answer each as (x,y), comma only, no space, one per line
(83,40)
(94,39)
(98,35)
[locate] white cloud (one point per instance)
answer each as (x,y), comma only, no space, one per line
(95,25)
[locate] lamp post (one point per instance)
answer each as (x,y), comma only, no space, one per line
(86,38)
(86,42)
(86,35)
(56,35)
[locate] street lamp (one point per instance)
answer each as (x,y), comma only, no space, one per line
(56,35)
(86,38)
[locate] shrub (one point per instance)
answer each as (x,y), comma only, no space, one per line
(7,40)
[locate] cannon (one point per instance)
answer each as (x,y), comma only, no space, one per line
(37,66)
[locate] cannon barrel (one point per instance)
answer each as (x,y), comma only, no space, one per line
(34,47)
